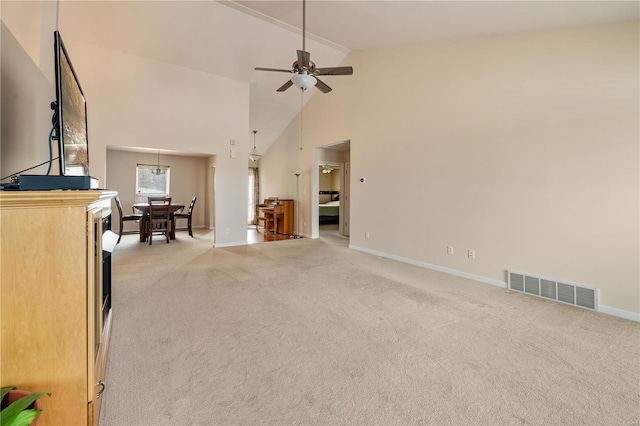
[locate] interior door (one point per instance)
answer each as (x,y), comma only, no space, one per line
(345,197)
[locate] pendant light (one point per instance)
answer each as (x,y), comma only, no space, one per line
(253,155)
(158,170)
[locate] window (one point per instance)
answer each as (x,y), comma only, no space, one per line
(254,192)
(152,180)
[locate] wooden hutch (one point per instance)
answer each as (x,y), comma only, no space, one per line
(55,304)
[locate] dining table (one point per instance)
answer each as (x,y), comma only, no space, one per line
(144,209)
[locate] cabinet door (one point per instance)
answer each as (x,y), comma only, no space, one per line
(94,303)
(53,337)
(44,303)
(99,321)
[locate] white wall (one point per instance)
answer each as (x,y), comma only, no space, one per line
(137,102)
(187,177)
(131,102)
(522,148)
(328,182)
(27,86)
(294,152)
(279,165)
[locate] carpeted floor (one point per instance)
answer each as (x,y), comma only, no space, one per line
(308,332)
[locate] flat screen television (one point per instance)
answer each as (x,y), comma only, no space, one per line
(70,115)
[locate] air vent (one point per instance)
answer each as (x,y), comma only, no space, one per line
(548,289)
(532,285)
(586,297)
(573,294)
(516,282)
(566,293)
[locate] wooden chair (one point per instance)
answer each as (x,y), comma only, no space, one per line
(187,216)
(156,198)
(125,217)
(264,222)
(159,221)
(265,218)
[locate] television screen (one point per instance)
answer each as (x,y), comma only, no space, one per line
(73,144)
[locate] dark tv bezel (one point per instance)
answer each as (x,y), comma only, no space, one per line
(60,49)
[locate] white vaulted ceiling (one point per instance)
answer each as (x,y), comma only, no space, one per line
(231,38)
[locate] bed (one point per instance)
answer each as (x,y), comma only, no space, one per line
(329,211)
(331,208)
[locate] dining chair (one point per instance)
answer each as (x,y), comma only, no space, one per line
(125,217)
(159,221)
(187,216)
(156,198)
(267,220)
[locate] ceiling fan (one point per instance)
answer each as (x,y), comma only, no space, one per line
(327,168)
(305,73)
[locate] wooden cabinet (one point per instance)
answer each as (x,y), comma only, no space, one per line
(285,225)
(54,332)
(278,212)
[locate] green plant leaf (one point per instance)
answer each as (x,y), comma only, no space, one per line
(5,391)
(11,413)
(24,418)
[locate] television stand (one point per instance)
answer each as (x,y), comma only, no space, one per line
(51,182)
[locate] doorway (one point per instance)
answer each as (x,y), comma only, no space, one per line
(331,190)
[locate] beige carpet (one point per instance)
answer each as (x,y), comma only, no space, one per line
(308,332)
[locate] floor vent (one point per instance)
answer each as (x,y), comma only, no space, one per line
(572,294)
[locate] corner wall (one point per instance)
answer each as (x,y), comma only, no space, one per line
(186,180)
(138,102)
(27,80)
(523,148)
(131,102)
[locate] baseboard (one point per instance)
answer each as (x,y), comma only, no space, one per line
(631,316)
(449,271)
(233,244)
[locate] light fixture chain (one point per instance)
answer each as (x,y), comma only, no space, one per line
(301,107)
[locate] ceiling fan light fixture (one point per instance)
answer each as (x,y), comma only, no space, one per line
(303,81)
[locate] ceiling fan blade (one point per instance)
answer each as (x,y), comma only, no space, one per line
(285,86)
(271,69)
(323,86)
(334,71)
(303,59)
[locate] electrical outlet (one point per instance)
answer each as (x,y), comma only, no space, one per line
(450,250)
(471,254)
(367,235)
